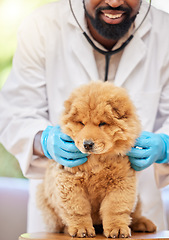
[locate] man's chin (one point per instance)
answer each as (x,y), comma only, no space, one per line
(112,31)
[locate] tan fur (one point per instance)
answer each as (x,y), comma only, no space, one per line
(102,190)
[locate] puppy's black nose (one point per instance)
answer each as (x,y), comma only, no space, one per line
(88,145)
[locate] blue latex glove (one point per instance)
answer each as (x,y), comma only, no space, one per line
(149,148)
(60,147)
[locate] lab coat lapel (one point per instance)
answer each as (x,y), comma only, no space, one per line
(80,46)
(85,55)
(131,57)
(136,49)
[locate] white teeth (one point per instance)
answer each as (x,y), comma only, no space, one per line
(113,16)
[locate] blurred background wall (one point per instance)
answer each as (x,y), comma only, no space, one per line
(12,13)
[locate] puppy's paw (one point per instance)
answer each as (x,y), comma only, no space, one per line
(143,224)
(117,232)
(81,231)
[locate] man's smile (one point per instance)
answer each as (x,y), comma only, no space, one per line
(112,16)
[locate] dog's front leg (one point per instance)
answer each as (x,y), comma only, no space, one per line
(75,208)
(115,211)
(80,226)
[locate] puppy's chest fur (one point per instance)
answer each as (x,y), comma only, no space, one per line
(99,176)
(96,179)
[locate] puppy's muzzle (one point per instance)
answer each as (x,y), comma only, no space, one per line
(88,145)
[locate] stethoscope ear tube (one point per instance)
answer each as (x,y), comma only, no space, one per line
(108,54)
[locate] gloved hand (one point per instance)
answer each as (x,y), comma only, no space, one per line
(149,148)
(60,147)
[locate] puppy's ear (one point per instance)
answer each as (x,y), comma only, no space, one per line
(70,109)
(121,107)
(67,106)
(65,117)
(119,114)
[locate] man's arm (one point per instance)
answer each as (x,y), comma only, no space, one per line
(37,147)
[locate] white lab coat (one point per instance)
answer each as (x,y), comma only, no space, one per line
(53,58)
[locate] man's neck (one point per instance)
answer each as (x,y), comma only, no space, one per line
(107,43)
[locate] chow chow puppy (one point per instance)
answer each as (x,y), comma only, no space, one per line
(102,121)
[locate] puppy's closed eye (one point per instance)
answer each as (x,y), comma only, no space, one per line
(102,124)
(81,123)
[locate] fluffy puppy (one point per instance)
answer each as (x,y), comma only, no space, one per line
(102,121)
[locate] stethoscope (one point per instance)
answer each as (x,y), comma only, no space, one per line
(108,54)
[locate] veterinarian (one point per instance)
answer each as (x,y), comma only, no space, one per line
(66,44)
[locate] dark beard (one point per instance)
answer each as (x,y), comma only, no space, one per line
(108,31)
